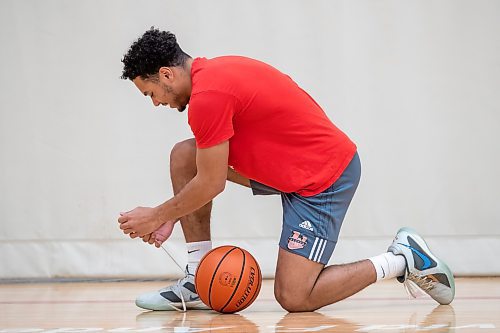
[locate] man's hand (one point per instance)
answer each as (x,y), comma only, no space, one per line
(140,221)
(208,182)
(148,238)
(162,233)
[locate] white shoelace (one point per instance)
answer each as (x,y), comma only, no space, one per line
(176,289)
(415,285)
(178,285)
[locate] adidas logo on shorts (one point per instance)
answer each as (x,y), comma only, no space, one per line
(306,225)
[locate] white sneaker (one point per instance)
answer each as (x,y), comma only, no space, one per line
(181,296)
(423,269)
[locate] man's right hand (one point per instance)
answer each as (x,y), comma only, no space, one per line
(160,235)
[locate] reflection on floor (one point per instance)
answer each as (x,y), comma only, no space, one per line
(384,307)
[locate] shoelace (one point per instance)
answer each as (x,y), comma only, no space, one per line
(176,288)
(416,285)
(178,282)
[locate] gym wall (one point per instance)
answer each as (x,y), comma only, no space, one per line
(413,83)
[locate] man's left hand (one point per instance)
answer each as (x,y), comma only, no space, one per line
(140,221)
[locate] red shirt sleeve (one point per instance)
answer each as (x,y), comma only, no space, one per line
(210,117)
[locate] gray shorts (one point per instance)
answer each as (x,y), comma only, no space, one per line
(311,225)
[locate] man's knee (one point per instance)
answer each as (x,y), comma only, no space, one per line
(183,155)
(289,299)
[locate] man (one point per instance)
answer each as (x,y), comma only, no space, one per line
(254,126)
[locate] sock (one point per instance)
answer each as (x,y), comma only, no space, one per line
(196,251)
(388,265)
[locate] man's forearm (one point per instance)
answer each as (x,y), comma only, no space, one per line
(197,193)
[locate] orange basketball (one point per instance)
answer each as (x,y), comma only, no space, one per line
(228,279)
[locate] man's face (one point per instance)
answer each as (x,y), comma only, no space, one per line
(168,88)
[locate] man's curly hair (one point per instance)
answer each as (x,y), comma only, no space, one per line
(154,49)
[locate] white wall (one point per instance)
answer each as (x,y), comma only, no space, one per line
(414,83)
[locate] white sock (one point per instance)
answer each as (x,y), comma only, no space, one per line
(388,265)
(196,251)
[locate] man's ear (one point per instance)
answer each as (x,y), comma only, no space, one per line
(166,73)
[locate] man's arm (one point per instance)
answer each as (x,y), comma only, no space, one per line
(210,180)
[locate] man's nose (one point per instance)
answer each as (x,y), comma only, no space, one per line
(155,102)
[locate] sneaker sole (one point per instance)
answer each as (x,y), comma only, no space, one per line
(173,306)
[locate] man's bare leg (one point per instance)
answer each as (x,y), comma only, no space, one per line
(304,285)
(236,178)
(195,226)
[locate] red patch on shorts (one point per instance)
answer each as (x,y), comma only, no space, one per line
(297,241)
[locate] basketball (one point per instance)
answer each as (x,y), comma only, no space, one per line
(228,279)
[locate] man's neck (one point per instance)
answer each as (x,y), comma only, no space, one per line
(187,66)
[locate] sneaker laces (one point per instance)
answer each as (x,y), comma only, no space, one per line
(177,289)
(416,285)
(178,285)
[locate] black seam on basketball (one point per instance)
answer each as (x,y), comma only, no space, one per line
(257,289)
(239,280)
(215,273)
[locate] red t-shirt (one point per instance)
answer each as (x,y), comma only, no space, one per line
(278,135)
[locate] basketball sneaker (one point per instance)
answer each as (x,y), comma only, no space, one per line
(423,269)
(181,296)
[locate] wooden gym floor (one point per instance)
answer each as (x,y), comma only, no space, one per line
(109,307)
